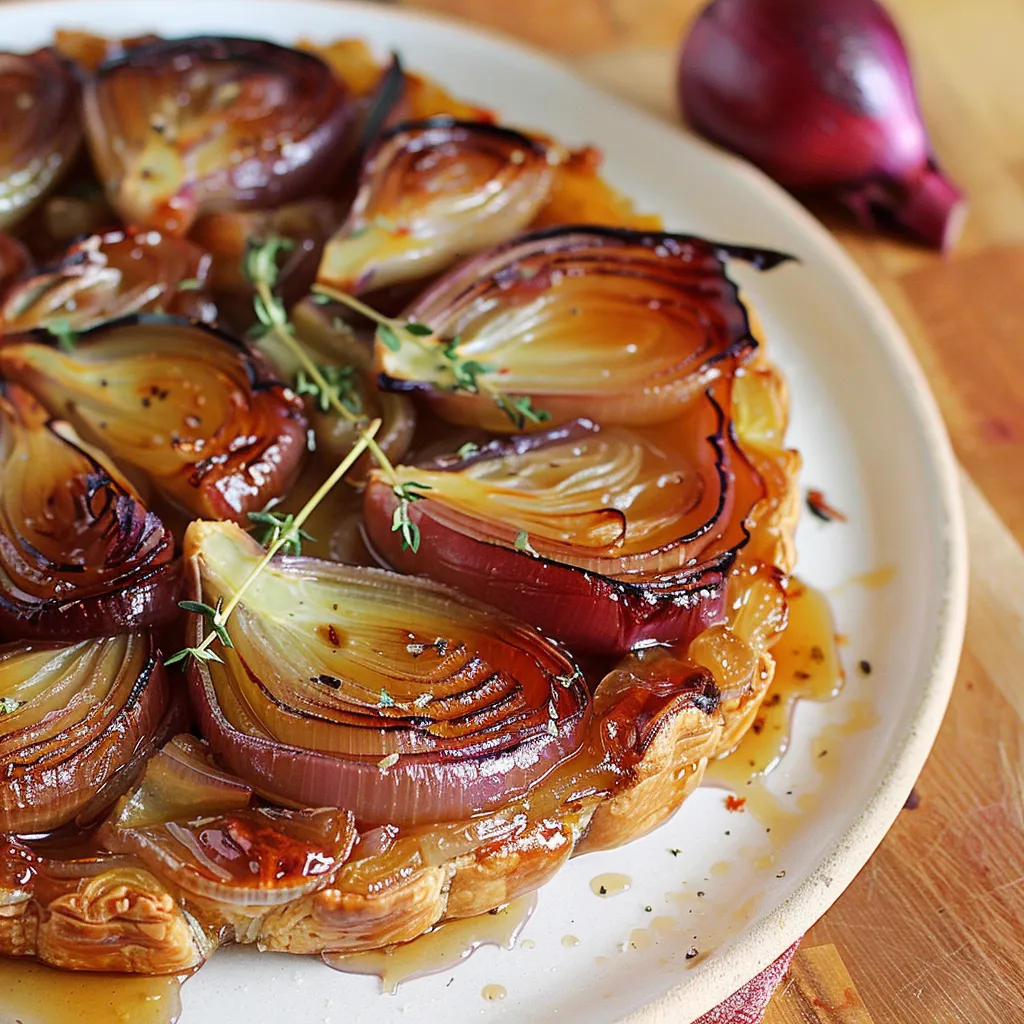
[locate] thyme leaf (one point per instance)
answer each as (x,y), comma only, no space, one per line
(522,543)
(278,525)
(66,335)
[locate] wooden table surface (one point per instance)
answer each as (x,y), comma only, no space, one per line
(932,930)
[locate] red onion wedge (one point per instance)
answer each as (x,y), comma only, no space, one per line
(72,717)
(432,192)
(615,325)
(181,402)
(111,275)
(183,127)
(192,825)
(604,538)
(398,698)
(80,554)
(821,97)
(40,128)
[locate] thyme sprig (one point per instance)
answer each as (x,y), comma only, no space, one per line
(287,533)
(260,269)
(466,374)
(279,524)
(342,386)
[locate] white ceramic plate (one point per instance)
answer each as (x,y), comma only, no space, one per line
(871,438)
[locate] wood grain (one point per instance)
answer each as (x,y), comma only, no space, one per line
(932,929)
(818,990)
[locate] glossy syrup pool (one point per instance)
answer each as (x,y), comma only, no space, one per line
(31,993)
(807,667)
(444,947)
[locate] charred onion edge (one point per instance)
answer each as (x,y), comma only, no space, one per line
(636,602)
(444,121)
(548,241)
(113,609)
(256,368)
(151,682)
(520,444)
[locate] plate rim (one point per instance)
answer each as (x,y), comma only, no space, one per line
(847,855)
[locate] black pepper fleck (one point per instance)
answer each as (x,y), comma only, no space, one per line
(865,666)
(692,952)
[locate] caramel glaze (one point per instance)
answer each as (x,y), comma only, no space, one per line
(36,994)
(807,667)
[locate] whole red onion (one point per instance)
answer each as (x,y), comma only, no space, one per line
(820,96)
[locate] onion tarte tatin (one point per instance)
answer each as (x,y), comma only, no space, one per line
(389,512)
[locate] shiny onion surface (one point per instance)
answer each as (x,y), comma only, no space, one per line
(432,192)
(180,401)
(40,128)
(619,326)
(192,825)
(604,537)
(110,275)
(182,127)
(76,719)
(398,698)
(80,554)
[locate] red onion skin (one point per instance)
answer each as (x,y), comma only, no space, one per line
(148,599)
(581,609)
(423,788)
(820,96)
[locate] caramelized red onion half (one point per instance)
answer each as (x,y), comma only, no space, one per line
(604,537)
(107,276)
(40,128)
(192,825)
(398,698)
(183,127)
(179,401)
(75,719)
(619,326)
(80,554)
(432,192)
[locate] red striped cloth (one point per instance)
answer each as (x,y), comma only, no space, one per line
(748,1004)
